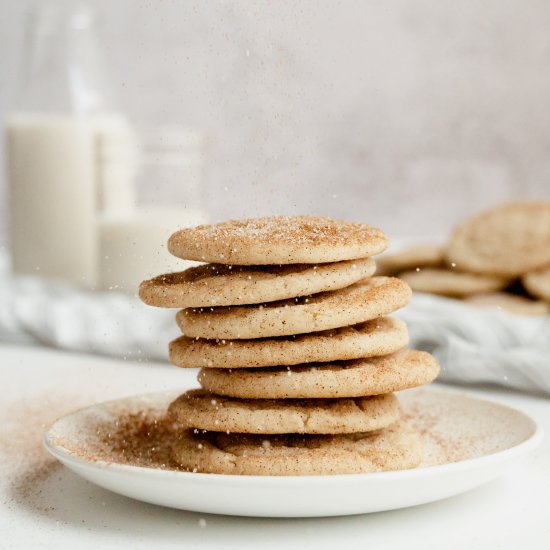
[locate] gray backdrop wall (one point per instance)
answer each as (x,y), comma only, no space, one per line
(406,114)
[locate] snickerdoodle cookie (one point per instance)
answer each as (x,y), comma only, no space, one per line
(278,240)
(358,303)
(357,378)
(421,255)
(519,305)
(397,447)
(508,240)
(207,411)
(452,283)
(371,338)
(223,285)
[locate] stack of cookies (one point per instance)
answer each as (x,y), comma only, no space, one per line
(298,358)
(499,258)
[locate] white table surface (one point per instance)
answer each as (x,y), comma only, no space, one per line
(64,511)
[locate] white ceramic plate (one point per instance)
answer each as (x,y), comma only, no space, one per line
(467,442)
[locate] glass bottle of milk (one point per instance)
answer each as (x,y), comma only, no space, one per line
(52,138)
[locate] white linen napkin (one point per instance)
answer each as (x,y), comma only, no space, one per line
(38,311)
(477,345)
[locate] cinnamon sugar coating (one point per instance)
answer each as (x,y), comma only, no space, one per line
(371,338)
(394,448)
(278,240)
(207,411)
(361,377)
(221,285)
(358,303)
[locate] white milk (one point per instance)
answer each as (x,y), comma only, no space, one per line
(53,187)
(133,245)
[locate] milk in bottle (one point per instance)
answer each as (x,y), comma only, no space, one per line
(51,140)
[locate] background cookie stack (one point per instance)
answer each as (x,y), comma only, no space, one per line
(298,361)
(499,258)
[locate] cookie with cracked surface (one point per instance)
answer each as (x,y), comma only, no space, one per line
(358,378)
(509,240)
(278,240)
(397,447)
(207,411)
(358,303)
(369,339)
(222,285)
(452,283)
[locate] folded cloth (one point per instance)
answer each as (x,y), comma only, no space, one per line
(475,345)
(38,311)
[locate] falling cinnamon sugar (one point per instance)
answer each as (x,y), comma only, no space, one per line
(25,464)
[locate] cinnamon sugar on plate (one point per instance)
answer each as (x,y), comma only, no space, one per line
(130,431)
(139,439)
(136,432)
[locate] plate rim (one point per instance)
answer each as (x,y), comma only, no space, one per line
(66,456)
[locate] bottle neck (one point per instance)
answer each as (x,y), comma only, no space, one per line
(62,68)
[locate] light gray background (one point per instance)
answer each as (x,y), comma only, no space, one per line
(406,114)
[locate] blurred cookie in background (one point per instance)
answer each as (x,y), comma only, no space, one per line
(499,258)
(508,240)
(512,303)
(446,282)
(421,255)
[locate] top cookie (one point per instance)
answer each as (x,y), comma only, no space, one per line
(508,240)
(278,240)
